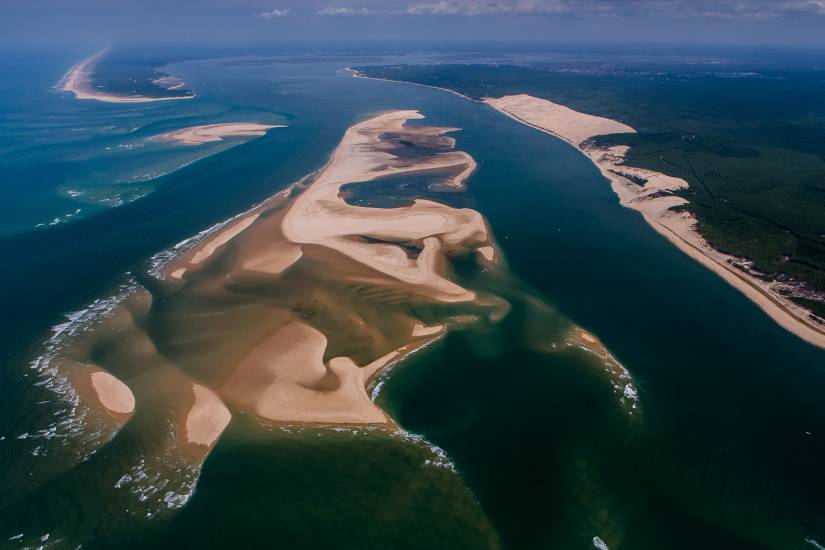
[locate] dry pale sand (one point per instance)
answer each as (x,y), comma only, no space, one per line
(487,252)
(285,379)
(197,135)
(113,394)
(654,200)
(78,82)
(207,418)
(275,260)
(420,329)
(320,215)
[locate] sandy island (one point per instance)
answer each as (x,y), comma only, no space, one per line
(285,376)
(289,312)
(78,82)
(654,200)
(209,133)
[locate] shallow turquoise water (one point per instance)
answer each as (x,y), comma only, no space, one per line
(725,452)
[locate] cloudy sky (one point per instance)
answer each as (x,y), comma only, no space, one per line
(793,22)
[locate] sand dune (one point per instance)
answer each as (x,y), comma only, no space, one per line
(655,201)
(196,135)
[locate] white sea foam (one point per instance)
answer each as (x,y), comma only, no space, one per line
(377,389)
(70,417)
(439,457)
(600,544)
(167,484)
(620,379)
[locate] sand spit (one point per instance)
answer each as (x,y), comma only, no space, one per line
(655,201)
(197,135)
(78,82)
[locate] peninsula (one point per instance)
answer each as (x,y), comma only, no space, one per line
(78,81)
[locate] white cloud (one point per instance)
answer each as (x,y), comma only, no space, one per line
(274,14)
(489,7)
(343,10)
(709,9)
(816,7)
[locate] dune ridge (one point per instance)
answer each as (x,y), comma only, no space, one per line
(655,201)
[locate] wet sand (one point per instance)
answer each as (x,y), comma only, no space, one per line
(655,201)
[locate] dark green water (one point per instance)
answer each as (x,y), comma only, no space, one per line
(725,452)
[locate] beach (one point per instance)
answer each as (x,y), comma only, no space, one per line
(655,201)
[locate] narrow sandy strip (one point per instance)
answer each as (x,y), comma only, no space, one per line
(78,82)
(358,74)
(209,133)
(654,200)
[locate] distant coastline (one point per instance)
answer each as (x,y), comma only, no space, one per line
(654,199)
(78,82)
(358,74)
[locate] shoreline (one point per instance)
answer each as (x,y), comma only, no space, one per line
(358,74)
(77,82)
(655,203)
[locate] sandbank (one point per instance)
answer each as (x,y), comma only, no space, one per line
(209,133)
(321,216)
